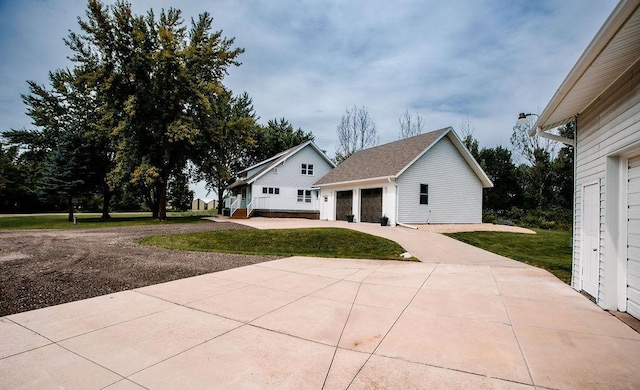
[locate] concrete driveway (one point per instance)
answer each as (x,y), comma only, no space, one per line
(310,323)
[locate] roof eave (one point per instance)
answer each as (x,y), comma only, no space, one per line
(609,29)
(349,182)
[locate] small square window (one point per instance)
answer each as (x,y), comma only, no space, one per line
(276,191)
(264,190)
(271,190)
(306,169)
(424,194)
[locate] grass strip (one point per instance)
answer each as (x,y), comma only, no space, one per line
(548,249)
(89,221)
(314,242)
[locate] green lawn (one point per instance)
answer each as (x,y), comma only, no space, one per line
(548,249)
(92,220)
(316,242)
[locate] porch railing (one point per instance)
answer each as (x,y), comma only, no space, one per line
(249,208)
(235,205)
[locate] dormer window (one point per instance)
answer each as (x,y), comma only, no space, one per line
(307,169)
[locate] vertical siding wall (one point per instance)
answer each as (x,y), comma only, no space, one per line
(605,128)
(455,192)
(289,179)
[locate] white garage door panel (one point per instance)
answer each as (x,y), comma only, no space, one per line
(634,199)
(633,237)
(634,253)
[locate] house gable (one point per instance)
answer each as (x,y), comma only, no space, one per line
(454,188)
(288,172)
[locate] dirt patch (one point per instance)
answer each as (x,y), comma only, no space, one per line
(473,227)
(45,268)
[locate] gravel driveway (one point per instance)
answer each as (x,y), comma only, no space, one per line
(40,268)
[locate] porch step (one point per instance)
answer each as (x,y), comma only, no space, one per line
(240,214)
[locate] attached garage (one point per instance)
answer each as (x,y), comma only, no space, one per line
(633,237)
(371,205)
(344,204)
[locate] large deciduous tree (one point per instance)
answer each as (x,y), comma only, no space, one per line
(227,125)
(356,131)
(152,74)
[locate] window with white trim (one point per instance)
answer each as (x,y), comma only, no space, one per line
(304,196)
(424,194)
(306,169)
(271,190)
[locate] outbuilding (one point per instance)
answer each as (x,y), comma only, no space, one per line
(602,95)
(429,178)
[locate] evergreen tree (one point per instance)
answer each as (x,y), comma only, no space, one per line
(66,169)
(277,136)
(498,165)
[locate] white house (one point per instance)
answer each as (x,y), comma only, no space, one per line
(281,186)
(602,94)
(429,178)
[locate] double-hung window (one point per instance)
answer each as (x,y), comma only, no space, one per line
(424,194)
(304,196)
(306,169)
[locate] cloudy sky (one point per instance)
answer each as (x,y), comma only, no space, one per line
(307,60)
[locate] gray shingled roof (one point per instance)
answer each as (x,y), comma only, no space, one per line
(381,161)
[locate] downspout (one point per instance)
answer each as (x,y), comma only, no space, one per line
(396,210)
(575,173)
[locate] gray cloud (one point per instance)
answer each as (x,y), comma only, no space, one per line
(308,60)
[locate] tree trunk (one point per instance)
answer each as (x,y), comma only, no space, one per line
(106,199)
(70,208)
(162,198)
(220,200)
(151,200)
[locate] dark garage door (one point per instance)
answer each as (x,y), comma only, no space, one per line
(344,201)
(371,205)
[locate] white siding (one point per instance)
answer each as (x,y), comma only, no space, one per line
(255,170)
(606,131)
(289,179)
(455,191)
(287,200)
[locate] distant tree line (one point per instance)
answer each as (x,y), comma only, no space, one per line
(537,191)
(142,109)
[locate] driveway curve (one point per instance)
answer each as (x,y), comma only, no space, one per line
(462,318)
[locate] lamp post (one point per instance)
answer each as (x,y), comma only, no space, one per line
(523,119)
